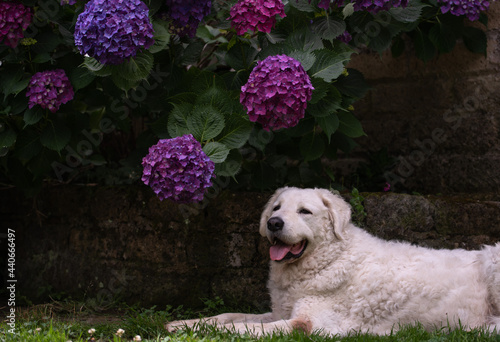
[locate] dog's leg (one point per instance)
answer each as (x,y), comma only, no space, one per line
(220,320)
(259,329)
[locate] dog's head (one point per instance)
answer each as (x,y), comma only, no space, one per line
(296,221)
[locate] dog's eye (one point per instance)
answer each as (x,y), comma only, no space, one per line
(304,211)
(277,208)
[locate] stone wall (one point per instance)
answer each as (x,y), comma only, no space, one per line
(107,244)
(441,119)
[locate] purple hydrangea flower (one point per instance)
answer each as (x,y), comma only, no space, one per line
(14,19)
(112,31)
(186,15)
(255,15)
(470,8)
(375,6)
(178,169)
(345,37)
(277,92)
(324,4)
(49,89)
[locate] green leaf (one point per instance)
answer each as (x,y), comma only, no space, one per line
(216,97)
(80,78)
(304,40)
(137,68)
(443,37)
(353,84)
(217,152)
(236,132)
(275,38)
(241,56)
(97,68)
(397,47)
(329,125)
(302,5)
(7,138)
(381,39)
(311,146)
(42,58)
(349,125)
(32,116)
(55,136)
(329,28)
(408,14)
(321,88)
(161,36)
(348,10)
(205,123)
(10,79)
(423,46)
(307,59)
(475,40)
(178,118)
(330,105)
(46,42)
(231,166)
(329,65)
(28,144)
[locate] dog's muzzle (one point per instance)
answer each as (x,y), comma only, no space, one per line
(280,250)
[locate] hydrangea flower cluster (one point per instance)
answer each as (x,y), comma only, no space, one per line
(178,169)
(14,19)
(470,8)
(186,15)
(112,31)
(375,6)
(255,15)
(277,92)
(324,4)
(49,89)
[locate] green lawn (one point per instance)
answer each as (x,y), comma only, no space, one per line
(42,323)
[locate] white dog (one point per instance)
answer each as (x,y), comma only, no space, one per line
(330,276)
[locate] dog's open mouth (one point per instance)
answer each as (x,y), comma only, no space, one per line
(281,251)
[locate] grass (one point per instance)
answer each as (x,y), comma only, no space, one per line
(50,323)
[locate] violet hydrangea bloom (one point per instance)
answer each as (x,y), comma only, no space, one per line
(49,89)
(255,15)
(375,6)
(68,2)
(178,169)
(470,8)
(14,19)
(277,92)
(186,15)
(112,31)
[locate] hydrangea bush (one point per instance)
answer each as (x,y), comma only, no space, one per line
(190,94)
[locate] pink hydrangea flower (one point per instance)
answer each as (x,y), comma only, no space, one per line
(277,92)
(14,19)
(49,89)
(255,15)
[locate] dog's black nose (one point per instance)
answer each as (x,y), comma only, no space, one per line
(275,223)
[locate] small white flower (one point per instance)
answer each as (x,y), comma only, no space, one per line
(120,332)
(91,331)
(37,330)
(137,338)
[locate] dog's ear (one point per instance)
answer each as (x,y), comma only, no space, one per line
(338,211)
(268,210)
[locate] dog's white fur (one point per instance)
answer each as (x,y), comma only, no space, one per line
(348,280)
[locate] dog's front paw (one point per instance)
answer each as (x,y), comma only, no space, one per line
(175,326)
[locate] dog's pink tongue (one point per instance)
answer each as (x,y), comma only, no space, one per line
(279,251)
